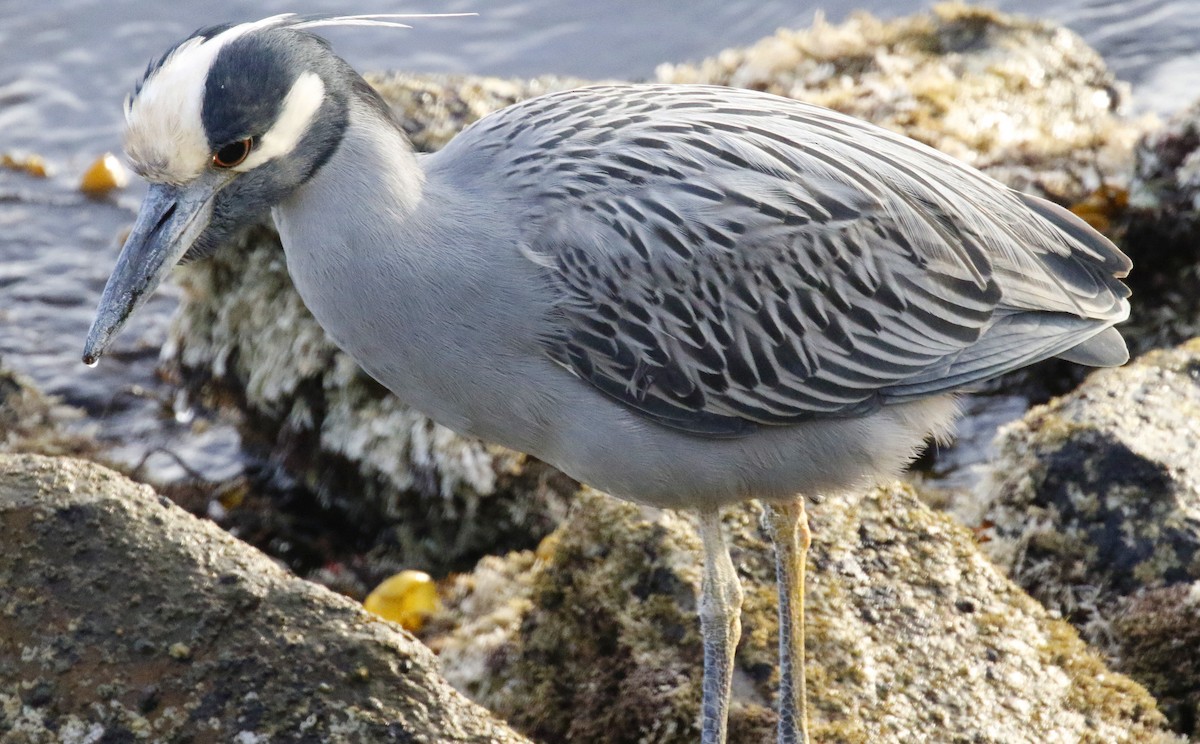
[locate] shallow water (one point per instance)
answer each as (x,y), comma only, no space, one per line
(66,66)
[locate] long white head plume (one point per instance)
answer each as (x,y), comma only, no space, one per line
(385,19)
(164,134)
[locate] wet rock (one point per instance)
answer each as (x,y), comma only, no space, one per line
(1093,503)
(32,422)
(1160,647)
(122,618)
(1162,233)
(913,635)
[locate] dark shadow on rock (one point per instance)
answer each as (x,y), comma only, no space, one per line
(1093,504)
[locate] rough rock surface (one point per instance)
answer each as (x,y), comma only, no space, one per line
(1093,503)
(31,422)
(913,635)
(124,619)
(1026,100)
(1162,232)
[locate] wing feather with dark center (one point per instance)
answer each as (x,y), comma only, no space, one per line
(722,259)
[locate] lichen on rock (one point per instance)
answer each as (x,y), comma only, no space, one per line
(1027,101)
(912,632)
(32,422)
(1162,232)
(1093,506)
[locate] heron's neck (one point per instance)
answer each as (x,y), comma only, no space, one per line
(351,231)
(361,201)
(373,170)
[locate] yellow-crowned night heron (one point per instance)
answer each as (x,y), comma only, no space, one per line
(685,296)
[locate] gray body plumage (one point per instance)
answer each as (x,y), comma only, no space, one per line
(692,295)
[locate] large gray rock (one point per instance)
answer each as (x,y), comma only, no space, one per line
(913,635)
(1093,506)
(123,618)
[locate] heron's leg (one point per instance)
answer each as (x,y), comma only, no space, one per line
(721,626)
(788,525)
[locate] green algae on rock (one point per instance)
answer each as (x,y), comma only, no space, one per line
(123,618)
(913,634)
(1094,507)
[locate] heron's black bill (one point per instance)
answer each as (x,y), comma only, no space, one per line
(168,223)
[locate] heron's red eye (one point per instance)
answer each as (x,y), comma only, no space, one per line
(233,153)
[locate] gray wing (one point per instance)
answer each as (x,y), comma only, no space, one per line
(724,259)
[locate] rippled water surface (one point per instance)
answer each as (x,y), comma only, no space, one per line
(66,66)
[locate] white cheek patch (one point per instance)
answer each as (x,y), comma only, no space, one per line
(164,137)
(299,107)
(164,134)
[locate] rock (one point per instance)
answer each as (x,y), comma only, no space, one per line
(123,618)
(913,635)
(1093,503)
(1160,647)
(1162,231)
(31,422)
(1026,100)
(243,335)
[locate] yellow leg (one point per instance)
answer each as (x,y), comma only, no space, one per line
(787,524)
(721,627)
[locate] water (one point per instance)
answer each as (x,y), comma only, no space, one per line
(66,66)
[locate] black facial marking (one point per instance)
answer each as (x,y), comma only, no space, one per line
(244,95)
(246,86)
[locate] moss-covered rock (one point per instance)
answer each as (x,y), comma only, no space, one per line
(123,619)
(913,635)
(1093,503)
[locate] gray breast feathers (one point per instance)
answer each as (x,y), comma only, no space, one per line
(722,259)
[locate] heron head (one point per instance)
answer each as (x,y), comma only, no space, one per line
(225,125)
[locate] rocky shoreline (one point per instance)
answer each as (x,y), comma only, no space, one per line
(572,616)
